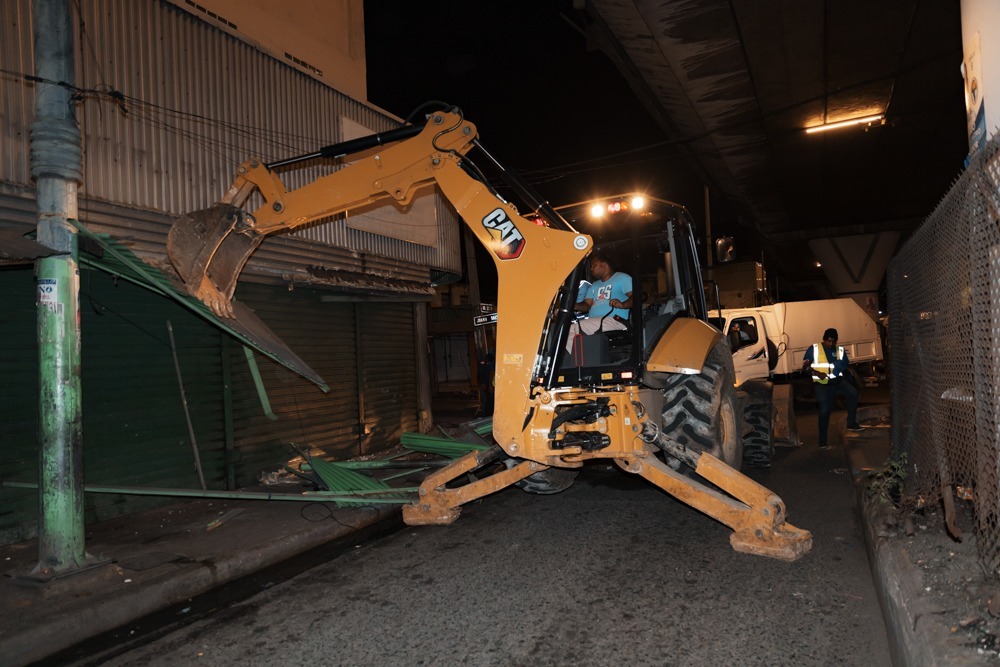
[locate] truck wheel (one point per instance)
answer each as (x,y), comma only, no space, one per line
(545,482)
(699,411)
(757,448)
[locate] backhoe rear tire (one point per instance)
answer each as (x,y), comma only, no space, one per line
(701,412)
(545,482)
(757,448)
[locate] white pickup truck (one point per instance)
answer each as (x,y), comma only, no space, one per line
(769,343)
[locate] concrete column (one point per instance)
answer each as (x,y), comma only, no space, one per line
(855,265)
(56,168)
(981,69)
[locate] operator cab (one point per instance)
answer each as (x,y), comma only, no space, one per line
(652,241)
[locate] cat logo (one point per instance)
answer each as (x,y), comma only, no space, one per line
(509,242)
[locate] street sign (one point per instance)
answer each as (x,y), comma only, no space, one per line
(487,308)
(480,320)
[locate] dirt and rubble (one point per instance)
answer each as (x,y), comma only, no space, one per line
(949,588)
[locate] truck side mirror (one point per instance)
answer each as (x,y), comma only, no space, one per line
(725,249)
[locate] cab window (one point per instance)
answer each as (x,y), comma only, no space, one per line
(743,332)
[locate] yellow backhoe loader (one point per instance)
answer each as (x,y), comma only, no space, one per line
(656,396)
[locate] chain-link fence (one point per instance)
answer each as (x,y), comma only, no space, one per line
(944,346)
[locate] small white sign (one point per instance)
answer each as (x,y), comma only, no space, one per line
(480,320)
(47,289)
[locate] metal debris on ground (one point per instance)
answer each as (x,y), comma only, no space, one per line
(430,444)
(212,525)
(346,478)
(286,475)
(341,480)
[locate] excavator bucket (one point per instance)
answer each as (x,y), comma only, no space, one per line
(208,248)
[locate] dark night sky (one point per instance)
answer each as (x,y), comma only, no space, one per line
(545,105)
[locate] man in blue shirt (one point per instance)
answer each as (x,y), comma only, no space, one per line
(608,301)
(830,365)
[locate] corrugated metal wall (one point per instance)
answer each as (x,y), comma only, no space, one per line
(16,97)
(196,103)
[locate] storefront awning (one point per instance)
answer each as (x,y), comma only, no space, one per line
(245,326)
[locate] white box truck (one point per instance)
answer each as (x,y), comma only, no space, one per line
(769,343)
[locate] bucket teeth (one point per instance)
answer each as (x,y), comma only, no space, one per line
(208,249)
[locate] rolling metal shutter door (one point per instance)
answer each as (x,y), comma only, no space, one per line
(18,402)
(388,373)
(134,428)
(323,335)
(332,337)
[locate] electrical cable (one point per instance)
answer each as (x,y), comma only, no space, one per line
(330,513)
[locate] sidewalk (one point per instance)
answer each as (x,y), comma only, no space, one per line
(160,558)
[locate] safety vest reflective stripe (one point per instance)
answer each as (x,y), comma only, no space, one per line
(820,363)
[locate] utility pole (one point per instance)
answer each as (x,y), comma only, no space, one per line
(56,167)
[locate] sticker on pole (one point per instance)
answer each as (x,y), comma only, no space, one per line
(480,320)
(48,289)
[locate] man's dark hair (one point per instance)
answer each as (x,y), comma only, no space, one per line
(603,256)
(830,333)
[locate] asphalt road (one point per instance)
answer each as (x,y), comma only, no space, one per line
(609,572)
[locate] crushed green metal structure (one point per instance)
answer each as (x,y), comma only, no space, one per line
(110,256)
(340,482)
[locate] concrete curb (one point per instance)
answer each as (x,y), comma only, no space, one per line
(66,612)
(917,636)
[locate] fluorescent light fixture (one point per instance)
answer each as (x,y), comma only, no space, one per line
(846,123)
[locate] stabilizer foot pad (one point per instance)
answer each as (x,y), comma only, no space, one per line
(786,542)
(422,514)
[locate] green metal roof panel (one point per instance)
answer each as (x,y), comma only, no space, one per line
(343,481)
(430,444)
(245,325)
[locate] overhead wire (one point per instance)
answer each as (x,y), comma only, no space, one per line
(186,124)
(204,130)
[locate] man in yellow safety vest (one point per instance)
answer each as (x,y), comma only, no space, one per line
(829,364)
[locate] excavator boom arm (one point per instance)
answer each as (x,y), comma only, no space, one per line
(209,248)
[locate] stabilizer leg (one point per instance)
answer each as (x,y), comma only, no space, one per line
(756,515)
(441,506)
